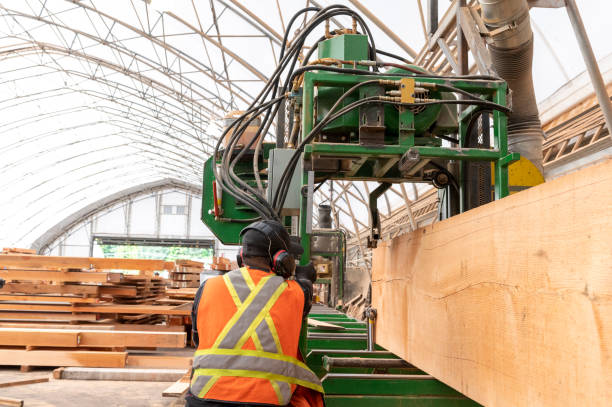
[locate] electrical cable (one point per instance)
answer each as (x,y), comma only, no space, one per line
(272,84)
(288,173)
(394,56)
(267,104)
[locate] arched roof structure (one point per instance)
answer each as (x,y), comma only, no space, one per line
(100,97)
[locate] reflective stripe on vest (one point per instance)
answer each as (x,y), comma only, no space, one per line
(251,320)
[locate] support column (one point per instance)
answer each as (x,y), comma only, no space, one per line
(590,61)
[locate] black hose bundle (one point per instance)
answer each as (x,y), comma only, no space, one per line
(267,104)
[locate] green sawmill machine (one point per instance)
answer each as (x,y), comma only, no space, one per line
(352,117)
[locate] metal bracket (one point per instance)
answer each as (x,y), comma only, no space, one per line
(546,3)
(375,216)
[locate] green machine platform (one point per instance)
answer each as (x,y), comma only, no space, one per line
(354,376)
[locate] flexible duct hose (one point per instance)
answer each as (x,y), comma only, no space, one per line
(512,54)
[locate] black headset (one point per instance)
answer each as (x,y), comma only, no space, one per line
(282,263)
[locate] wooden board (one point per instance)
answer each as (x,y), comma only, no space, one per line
(324,325)
(47,316)
(65,276)
(101,308)
(45,262)
(19,357)
(24,381)
(178,388)
(510,303)
(159,362)
(72,338)
(36,288)
(49,298)
(93,327)
(121,374)
(7,401)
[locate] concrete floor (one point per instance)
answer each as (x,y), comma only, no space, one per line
(73,393)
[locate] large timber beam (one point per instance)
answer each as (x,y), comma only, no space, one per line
(509,303)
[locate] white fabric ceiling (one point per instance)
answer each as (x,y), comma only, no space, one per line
(103,95)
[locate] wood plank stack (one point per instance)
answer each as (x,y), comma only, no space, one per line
(72,311)
(83,345)
(223,264)
(80,289)
(186,274)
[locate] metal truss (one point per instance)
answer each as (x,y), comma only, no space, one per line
(99,97)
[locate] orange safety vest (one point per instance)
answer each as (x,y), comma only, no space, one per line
(249,325)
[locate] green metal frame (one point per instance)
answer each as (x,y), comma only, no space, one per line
(383,158)
(358,386)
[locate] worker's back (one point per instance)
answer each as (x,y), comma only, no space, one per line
(249,324)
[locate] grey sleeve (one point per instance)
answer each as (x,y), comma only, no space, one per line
(308,291)
(194,314)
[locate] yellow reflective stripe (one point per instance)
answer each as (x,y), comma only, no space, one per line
(256,341)
(265,311)
(268,318)
(272,328)
(241,310)
(234,295)
(259,375)
(210,384)
(279,396)
(232,291)
(250,352)
(247,277)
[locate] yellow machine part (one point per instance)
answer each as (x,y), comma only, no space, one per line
(522,174)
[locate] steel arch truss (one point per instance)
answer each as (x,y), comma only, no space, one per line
(99,97)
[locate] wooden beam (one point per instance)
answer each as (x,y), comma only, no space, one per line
(73,338)
(45,262)
(18,357)
(23,381)
(154,361)
(49,298)
(46,316)
(10,402)
(179,388)
(509,303)
(101,308)
(34,288)
(64,276)
(324,325)
(119,374)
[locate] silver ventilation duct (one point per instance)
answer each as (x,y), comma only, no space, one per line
(512,55)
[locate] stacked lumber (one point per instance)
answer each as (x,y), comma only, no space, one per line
(509,303)
(82,345)
(186,274)
(17,250)
(147,289)
(182,294)
(49,288)
(223,264)
(72,311)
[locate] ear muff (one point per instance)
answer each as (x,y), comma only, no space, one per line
(239,259)
(283,264)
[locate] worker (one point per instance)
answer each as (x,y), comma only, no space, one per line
(246,327)
(1,283)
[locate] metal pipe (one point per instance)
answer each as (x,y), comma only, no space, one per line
(432,16)
(589,60)
(371,316)
(407,377)
(280,124)
(512,55)
(374,363)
